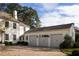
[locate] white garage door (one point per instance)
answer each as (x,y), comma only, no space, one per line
(56,40)
(43,41)
(32,41)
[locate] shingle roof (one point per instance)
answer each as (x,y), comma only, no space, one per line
(63,26)
(76,29)
(6,16)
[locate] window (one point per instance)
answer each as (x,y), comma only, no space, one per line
(6,24)
(23,37)
(6,36)
(14,25)
(45,35)
(24,29)
(26,37)
(14,37)
(19,38)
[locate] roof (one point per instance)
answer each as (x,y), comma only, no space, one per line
(63,26)
(6,16)
(2,29)
(21,23)
(76,29)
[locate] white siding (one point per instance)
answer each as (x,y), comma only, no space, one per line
(10,30)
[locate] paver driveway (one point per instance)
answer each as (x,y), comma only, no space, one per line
(30,51)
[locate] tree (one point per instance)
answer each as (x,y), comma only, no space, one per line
(11,7)
(68,42)
(27,15)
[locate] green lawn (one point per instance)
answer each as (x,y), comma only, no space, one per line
(69,51)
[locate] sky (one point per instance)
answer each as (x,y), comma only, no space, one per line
(56,13)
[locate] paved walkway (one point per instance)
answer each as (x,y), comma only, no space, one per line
(30,51)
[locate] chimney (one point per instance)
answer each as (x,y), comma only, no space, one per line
(15,14)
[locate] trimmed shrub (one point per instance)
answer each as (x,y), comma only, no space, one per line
(0,42)
(8,43)
(25,43)
(18,43)
(67,43)
(22,43)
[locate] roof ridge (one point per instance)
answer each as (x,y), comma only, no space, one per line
(59,25)
(51,27)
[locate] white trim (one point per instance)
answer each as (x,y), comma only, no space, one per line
(3,37)
(28,40)
(49,39)
(37,40)
(24,37)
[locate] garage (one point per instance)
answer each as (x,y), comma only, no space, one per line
(51,36)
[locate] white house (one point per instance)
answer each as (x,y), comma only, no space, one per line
(11,28)
(49,36)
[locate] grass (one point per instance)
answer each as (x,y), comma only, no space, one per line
(69,51)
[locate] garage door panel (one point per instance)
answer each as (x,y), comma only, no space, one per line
(56,40)
(32,40)
(52,41)
(43,42)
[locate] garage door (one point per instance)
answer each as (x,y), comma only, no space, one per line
(56,40)
(43,41)
(32,41)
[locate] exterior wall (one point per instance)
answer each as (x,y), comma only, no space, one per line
(2,37)
(22,31)
(2,26)
(18,31)
(57,31)
(72,32)
(10,30)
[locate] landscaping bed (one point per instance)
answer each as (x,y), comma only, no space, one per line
(14,44)
(70,51)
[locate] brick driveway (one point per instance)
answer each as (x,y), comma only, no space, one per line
(30,51)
